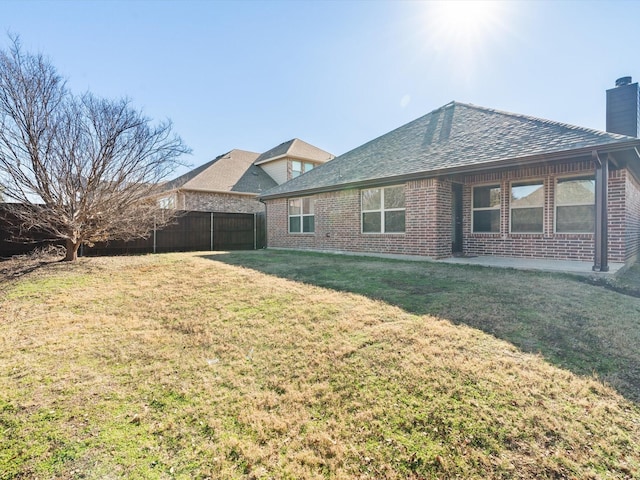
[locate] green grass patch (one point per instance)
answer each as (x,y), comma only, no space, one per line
(291,365)
(589,329)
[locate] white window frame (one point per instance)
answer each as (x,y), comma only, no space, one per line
(481,209)
(556,204)
(382,210)
(301,215)
(168,202)
(304,167)
(528,181)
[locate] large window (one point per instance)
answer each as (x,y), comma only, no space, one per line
(575,205)
(298,168)
(527,207)
(301,215)
(486,209)
(383,210)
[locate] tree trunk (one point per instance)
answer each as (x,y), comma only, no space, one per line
(72,251)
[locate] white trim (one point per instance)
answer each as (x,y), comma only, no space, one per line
(382,210)
(302,215)
(529,181)
(303,166)
(482,209)
(556,205)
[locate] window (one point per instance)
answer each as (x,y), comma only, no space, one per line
(486,209)
(301,215)
(383,210)
(575,205)
(298,168)
(527,207)
(167,202)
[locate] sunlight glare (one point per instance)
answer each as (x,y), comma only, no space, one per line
(463,21)
(463,32)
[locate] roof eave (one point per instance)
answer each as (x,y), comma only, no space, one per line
(494,165)
(208,190)
(294,157)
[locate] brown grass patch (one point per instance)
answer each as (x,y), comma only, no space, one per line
(176,366)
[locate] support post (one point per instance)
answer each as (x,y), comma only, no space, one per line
(255,231)
(211,234)
(155,229)
(601,234)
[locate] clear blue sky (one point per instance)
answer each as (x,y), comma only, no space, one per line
(253,74)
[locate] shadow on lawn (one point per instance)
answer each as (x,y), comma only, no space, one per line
(20,265)
(585,328)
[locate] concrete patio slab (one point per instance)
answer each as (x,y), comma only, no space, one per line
(545,265)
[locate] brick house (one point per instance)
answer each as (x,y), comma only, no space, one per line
(230,182)
(468,180)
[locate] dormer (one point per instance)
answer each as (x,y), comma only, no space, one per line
(291,159)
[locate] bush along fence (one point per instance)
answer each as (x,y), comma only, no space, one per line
(191,231)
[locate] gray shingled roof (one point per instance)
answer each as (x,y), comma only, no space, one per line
(295,148)
(233,171)
(457,136)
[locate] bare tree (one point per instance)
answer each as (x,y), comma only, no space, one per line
(82,169)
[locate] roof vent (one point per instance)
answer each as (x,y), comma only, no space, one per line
(622,81)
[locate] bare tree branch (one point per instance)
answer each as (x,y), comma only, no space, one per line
(83,169)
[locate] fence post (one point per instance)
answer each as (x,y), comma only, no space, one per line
(211,235)
(154,234)
(255,231)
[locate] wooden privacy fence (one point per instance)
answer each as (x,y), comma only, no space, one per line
(191,231)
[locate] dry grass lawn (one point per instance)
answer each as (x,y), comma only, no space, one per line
(189,366)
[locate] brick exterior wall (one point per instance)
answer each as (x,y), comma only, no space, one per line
(338,227)
(428,220)
(218,202)
(632,218)
(530,245)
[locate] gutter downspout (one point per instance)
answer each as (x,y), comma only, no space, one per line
(601,238)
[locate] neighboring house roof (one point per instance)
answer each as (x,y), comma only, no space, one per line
(457,137)
(295,148)
(232,172)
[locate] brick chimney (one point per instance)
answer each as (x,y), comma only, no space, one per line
(623,108)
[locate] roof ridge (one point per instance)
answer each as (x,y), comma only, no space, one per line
(241,150)
(542,120)
(454,137)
